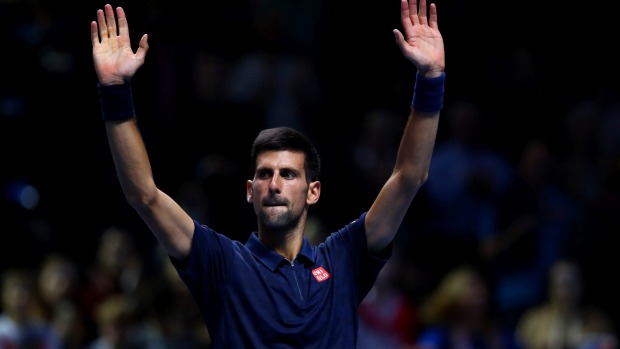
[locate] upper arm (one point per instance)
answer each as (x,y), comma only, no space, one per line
(172,226)
(387,213)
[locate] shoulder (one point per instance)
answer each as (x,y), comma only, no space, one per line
(352,231)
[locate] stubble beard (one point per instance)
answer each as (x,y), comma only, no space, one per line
(280,221)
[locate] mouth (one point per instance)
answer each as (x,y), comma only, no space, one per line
(273,204)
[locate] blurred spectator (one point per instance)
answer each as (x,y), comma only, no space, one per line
(117,328)
(388,315)
(593,176)
(117,268)
(21,322)
(564,320)
(466,178)
(182,325)
(111,316)
(370,156)
(374,151)
(582,127)
(459,315)
(59,285)
(535,223)
(276,79)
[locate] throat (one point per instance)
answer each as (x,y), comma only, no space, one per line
(286,244)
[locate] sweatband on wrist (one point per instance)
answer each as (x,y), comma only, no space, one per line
(428,93)
(116,102)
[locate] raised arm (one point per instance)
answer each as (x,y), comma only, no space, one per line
(422,44)
(115,64)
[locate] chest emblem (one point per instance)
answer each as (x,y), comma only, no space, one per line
(320,274)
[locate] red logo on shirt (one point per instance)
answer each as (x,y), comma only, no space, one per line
(320,274)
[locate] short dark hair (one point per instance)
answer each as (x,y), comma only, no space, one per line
(286,138)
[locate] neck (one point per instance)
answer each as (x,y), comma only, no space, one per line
(288,243)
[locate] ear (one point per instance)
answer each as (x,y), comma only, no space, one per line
(314,192)
(248,191)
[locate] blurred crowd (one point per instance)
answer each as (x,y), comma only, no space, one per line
(509,245)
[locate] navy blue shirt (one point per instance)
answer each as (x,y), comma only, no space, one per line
(252,297)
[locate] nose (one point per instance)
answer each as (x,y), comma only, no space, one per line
(275,185)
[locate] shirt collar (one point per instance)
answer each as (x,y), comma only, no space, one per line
(271,258)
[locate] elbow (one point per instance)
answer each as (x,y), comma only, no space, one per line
(418,181)
(423,178)
(141,199)
(413,180)
(417,176)
(412,174)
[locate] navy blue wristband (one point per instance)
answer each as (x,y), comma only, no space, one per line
(428,93)
(116,102)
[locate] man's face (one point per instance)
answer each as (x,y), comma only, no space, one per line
(279,191)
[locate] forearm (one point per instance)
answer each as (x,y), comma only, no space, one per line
(418,140)
(131,161)
(416,148)
(126,144)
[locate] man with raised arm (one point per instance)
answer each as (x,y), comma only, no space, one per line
(275,290)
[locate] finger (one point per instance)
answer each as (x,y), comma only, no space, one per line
(405,18)
(422,13)
(123,28)
(413,12)
(103,28)
(433,18)
(110,21)
(94,33)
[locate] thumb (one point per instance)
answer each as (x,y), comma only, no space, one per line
(143,47)
(400,39)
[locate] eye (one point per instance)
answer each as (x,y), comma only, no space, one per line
(288,174)
(263,174)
